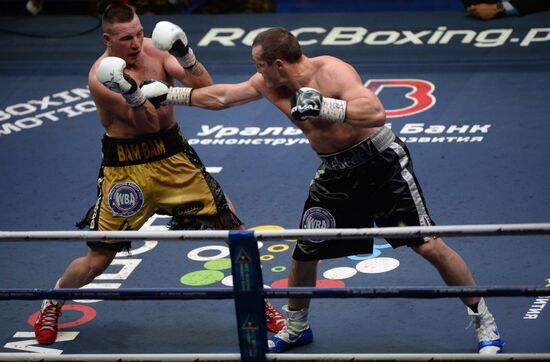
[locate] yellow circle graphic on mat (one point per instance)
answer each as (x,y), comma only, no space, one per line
(277,248)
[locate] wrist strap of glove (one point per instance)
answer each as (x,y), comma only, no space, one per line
(333,110)
(179,95)
(135,99)
(188,60)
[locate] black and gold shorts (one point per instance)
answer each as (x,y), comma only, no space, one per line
(159,173)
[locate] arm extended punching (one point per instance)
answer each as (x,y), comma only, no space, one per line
(215,97)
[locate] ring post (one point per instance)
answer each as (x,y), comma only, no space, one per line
(249,303)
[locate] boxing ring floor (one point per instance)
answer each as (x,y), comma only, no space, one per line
(479,145)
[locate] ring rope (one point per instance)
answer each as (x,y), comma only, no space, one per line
(248,288)
(385,232)
(302,292)
(165,357)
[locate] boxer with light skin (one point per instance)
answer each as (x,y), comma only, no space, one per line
(148,166)
(365,178)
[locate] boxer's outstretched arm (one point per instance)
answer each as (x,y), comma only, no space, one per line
(215,97)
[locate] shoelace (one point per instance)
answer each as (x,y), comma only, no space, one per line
(486,334)
(483,333)
(272,312)
(285,335)
(48,318)
(475,322)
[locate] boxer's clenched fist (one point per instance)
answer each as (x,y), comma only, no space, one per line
(110,73)
(170,37)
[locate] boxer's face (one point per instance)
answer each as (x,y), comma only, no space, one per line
(270,72)
(125,40)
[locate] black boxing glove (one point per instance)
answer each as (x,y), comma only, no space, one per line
(309,103)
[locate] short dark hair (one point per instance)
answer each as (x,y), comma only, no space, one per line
(116,13)
(278,43)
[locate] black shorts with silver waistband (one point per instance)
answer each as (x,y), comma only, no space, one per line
(371,183)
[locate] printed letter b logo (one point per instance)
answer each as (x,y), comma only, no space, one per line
(420,94)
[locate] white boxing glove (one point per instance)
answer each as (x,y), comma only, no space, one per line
(110,73)
(160,93)
(169,37)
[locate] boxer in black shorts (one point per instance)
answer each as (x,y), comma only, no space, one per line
(366,177)
(370,183)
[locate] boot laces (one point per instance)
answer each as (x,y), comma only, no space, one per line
(286,336)
(486,329)
(49,316)
(271,311)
